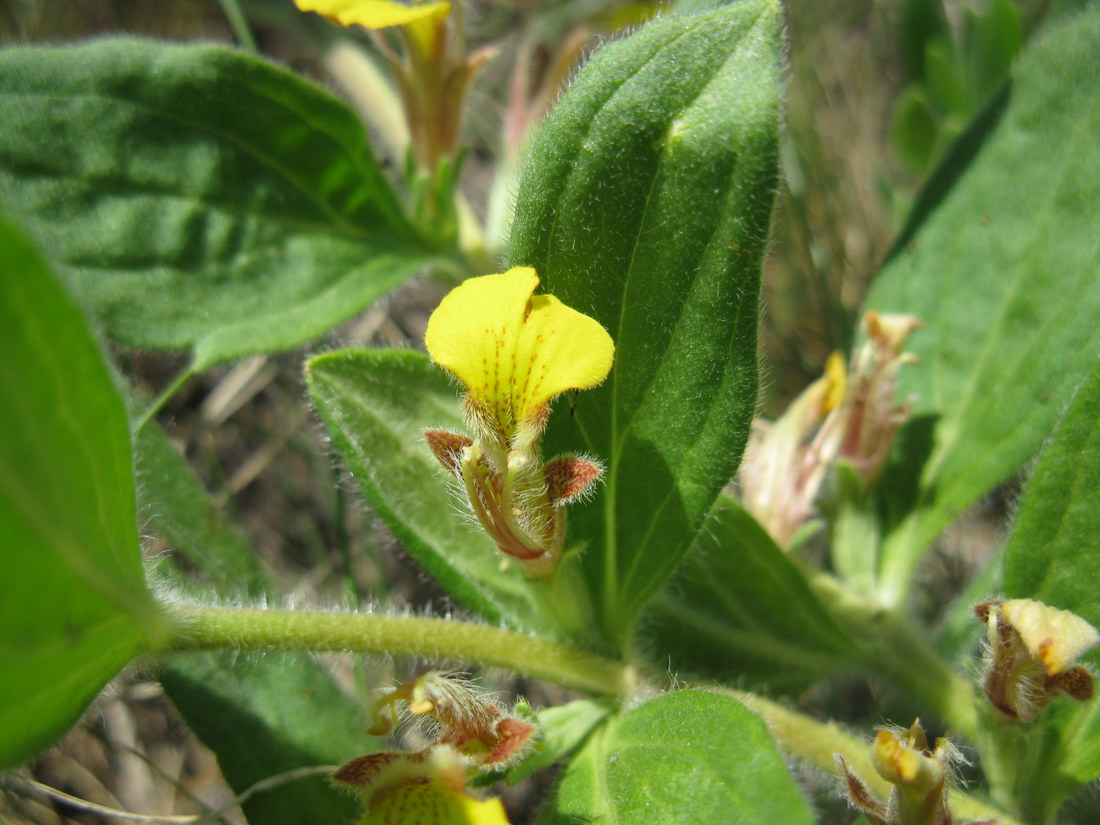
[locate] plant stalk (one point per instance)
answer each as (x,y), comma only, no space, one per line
(239,24)
(165,396)
(219,628)
(899,653)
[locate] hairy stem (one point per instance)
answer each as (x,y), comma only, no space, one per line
(897,651)
(1024,766)
(215,628)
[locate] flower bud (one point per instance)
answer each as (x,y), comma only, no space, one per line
(919,777)
(460,716)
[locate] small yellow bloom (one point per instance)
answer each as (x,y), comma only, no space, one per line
(432,803)
(375,14)
(1031,657)
(515,351)
(903,759)
(424,788)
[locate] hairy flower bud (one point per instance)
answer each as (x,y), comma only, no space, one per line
(919,777)
(468,732)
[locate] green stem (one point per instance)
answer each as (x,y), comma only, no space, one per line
(154,407)
(566,597)
(897,651)
(216,628)
(1023,764)
(818,742)
(239,24)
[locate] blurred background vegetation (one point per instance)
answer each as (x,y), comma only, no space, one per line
(877,91)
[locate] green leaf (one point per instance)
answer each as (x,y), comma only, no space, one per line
(946,77)
(1052,556)
(992,41)
(914,129)
(268,716)
(74,608)
(198,198)
(922,21)
(645,204)
(376,405)
(685,757)
(739,610)
(1001,268)
(176,505)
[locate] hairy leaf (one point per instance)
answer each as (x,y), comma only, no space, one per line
(645,203)
(376,405)
(73,604)
(259,715)
(265,717)
(195,197)
(738,609)
(175,505)
(685,757)
(1000,263)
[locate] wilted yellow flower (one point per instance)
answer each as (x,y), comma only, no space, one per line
(786,460)
(463,717)
(848,414)
(871,416)
(1032,653)
(469,733)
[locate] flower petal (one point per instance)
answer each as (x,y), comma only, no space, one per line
(1054,637)
(375,14)
(432,803)
(473,334)
(561,349)
(515,352)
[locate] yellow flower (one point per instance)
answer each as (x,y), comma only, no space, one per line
(1057,638)
(515,351)
(433,75)
(375,14)
(904,759)
(432,803)
(424,788)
